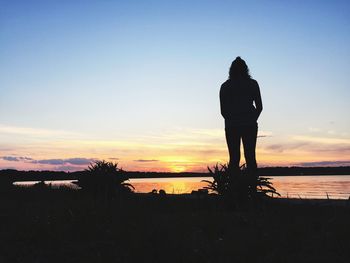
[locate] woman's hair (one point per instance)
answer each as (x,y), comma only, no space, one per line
(239,69)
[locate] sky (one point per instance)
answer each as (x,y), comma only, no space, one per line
(137,82)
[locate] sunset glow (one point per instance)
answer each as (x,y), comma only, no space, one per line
(191,150)
(138,83)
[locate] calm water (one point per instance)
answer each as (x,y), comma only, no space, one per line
(336,187)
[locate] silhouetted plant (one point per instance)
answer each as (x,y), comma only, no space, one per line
(239,185)
(104,178)
(220,174)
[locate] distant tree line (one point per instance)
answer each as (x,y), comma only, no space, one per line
(15,175)
(276,171)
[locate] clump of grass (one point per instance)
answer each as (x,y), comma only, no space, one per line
(104,179)
(220,184)
(265,187)
(240,185)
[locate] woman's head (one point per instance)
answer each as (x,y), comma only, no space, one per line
(239,69)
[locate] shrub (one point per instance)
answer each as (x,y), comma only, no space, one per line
(106,179)
(239,185)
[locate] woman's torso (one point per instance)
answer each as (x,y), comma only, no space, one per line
(238,97)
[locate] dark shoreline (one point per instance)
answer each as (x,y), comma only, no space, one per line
(14,175)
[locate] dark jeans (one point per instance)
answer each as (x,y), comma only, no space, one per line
(248,134)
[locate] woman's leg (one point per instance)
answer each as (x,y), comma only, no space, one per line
(249,135)
(233,139)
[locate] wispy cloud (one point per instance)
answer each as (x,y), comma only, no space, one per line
(67,168)
(69,161)
(314,129)
(263,136)
(35,132)
(6,148)
(194,135)
(16,158)
(54,164)
(282,147)
(178,149)
(146,160)
(324,140)
(312,144)
(324,163)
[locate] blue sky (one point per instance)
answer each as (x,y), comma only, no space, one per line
(139,80)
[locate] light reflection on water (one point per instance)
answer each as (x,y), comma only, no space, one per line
(288,186)
(336,187)
(170,185)
(54,184)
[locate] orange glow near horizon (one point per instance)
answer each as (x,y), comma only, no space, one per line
(170,165)
(182,151)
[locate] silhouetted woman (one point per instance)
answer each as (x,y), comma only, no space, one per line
(241,106)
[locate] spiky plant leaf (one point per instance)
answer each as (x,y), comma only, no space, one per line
(240,183)
(104,178)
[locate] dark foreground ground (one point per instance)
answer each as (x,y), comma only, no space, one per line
(66,226)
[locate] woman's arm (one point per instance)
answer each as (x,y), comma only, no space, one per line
(222,103)
(257,100)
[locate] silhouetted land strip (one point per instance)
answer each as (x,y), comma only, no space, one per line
(15,175)
(67,226)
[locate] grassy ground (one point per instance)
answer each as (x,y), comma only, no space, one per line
(66,226)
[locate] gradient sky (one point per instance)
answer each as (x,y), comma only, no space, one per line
(137,82)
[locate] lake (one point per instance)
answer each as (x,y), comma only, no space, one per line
(336,187)
(315,186)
